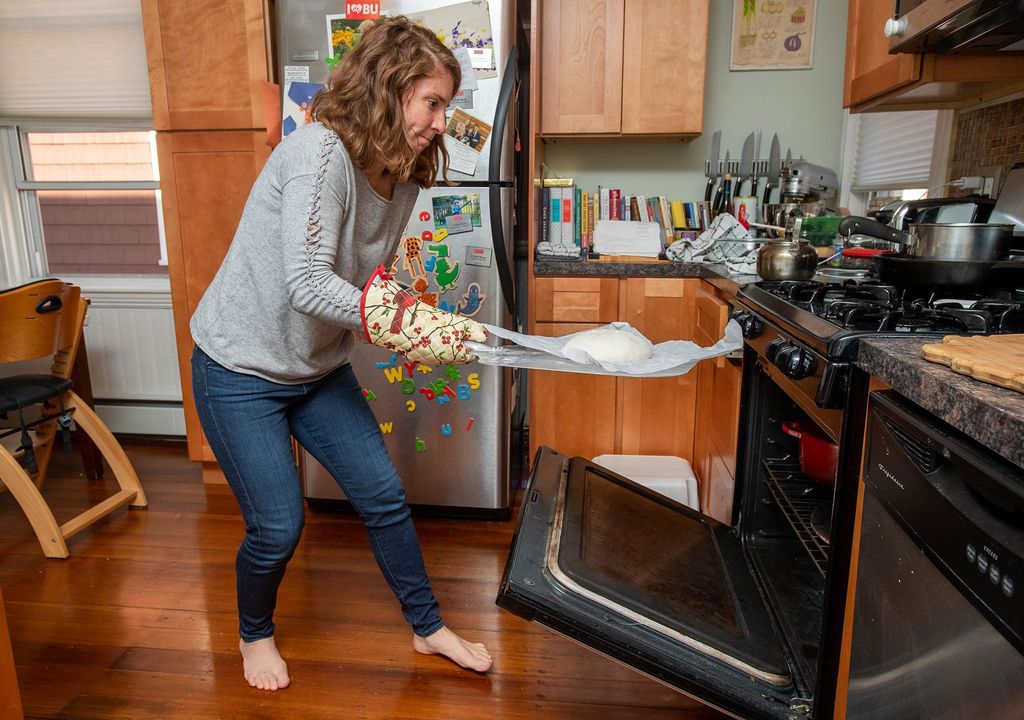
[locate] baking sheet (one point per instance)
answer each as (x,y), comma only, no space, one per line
(536,352)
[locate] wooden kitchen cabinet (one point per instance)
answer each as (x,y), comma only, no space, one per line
(693,416)
(876,80)
(657,414)
(716,425)
(573,413)
(205,180)
(623,67)
(208,60)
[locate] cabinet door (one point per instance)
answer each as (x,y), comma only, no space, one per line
(581,66)
(870,70)
(663,66)
(205,180)
(718,408)
(657,416)
(573,413)
(207,62)
(576,300)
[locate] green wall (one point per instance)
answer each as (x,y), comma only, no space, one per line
(803,106)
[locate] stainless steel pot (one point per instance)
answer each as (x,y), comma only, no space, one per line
(779,213)
(939,241)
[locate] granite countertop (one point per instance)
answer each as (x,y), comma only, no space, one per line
(717,275)
(992,415)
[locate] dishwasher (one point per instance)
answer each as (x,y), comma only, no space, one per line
(938,630)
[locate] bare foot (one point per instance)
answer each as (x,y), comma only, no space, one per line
(444,642)
(263,666)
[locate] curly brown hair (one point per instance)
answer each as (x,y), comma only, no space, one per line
(365,91)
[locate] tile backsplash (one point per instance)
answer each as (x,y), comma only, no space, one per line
(988,138)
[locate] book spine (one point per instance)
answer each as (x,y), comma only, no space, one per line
(614,205)
(555,232)
(545,214)
(666,213)
(568,234)
(578,216)
(585,221)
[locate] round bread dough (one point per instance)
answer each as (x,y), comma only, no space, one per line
(610,345)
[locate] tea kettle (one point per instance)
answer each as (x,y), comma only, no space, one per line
(789,257)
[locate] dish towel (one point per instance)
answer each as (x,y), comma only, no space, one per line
(725,241)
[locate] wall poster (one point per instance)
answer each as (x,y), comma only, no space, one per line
(772,34)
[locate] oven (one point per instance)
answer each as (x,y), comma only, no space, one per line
(749,616)
(938,629)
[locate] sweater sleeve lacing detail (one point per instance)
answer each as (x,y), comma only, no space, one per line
(313,226)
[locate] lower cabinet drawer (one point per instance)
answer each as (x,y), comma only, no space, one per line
(576,300)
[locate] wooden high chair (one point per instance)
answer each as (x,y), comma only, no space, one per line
(45,319)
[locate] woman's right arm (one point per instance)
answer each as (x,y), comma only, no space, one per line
(313,213)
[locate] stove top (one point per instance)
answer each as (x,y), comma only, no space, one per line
(833,316)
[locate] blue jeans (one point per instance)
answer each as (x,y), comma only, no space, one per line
(249,423)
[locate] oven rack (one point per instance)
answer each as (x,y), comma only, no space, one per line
(797,496)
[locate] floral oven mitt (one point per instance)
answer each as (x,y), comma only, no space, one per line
(395,320)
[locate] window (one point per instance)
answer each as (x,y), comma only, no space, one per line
(889,156)
(98,200)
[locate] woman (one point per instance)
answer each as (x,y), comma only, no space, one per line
(274,329)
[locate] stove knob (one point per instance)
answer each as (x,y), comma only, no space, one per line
(771,351)
(799,364)
(751,325)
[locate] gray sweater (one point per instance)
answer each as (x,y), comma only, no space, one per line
(284,304)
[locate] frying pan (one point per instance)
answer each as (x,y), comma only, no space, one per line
(897,269)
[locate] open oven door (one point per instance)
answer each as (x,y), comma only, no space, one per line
(648,582)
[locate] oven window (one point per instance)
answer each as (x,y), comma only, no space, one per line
(905,6)
(612,547)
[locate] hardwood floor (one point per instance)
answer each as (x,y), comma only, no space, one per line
(140,621)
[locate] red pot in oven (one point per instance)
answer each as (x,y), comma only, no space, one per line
(819,456)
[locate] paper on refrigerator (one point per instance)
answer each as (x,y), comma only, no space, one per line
(674,357)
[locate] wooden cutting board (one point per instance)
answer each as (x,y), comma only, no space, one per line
(995,359)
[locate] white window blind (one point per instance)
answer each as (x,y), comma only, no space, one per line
(894,150)
(81,59)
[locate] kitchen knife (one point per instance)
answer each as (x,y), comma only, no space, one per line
(757,166)
(716,207)
(774,169)
(712,167)
(746,163)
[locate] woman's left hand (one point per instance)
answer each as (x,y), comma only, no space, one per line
(394,319)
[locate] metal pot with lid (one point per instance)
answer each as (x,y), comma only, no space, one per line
(939,241)
(789,257)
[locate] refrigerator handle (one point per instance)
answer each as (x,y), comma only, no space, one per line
(501,258)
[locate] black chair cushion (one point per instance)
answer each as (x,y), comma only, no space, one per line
(21,391)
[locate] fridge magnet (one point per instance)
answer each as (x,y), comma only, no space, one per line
(386,427)
(469,130)
(424,369)
(297,105)
(772,34)
(410,405)
(452,373)
(469,424)
(420,445)
(343,36)
(429,298)
(393,375)
(471,301)
(464,25)
(412,260)
(446,429)
(391,362)
(369,395)
(463,207)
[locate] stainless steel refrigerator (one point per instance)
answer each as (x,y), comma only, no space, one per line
(447,429)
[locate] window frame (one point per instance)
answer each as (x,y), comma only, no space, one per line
(33,248)
(857,202)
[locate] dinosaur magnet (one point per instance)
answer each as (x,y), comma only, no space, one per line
(471,302)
